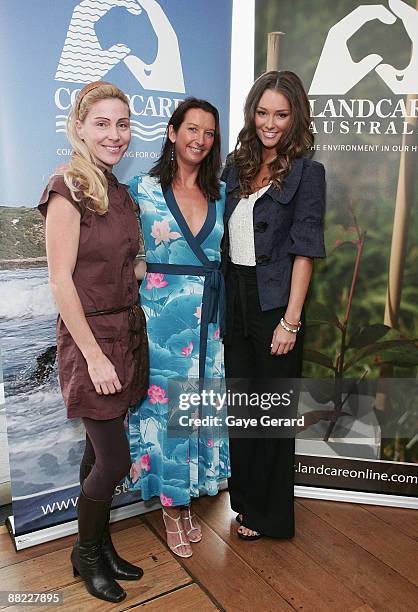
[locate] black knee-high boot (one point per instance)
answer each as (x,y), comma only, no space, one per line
(87,557)
(120,568)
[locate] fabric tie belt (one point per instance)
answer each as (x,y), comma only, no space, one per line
(239,279)
(214,288)
(116,310)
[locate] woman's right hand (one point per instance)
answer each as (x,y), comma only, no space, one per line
(103,375)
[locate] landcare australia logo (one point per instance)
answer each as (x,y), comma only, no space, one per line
(337,73)
(83,60)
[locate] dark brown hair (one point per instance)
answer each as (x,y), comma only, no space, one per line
(297,140)
(166,168)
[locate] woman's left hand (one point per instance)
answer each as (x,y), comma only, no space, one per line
(282,341)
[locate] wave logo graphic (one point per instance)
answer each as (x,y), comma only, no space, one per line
(337,73)
(138,129)
(83,60)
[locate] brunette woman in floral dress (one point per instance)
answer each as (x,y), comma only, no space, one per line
(181,206)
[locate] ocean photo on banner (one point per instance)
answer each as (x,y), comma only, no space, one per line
(149,50)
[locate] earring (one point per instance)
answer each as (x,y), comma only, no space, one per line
(172,161)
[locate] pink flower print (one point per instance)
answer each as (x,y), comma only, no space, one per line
(156,395)
(166,501)
(160,230)
(187,350)
(155,279)
(145,462)
(216,334)
(211,443)
(135,472)
(198,313)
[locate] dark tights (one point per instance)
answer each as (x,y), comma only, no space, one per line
(107,450)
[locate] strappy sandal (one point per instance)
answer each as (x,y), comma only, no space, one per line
(179,532)
(249,538)
(186,515)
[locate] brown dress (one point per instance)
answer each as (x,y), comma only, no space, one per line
(108,290)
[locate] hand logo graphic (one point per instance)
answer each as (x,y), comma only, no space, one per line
(403,81)
(337,73)
(83,60)
(165,73)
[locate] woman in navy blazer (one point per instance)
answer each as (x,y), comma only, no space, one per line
(273,230)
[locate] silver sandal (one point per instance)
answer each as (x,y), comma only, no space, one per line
(189,517)
(179,532)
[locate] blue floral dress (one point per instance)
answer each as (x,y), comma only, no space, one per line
(182,296)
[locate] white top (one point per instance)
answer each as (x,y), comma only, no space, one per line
(241,230)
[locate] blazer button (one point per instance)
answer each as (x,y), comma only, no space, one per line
(262,260)
(261,226)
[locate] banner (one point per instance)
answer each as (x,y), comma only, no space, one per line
(359,63)
(158,53)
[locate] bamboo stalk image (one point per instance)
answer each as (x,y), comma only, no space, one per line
(273,48)
(403,204)
(404,197)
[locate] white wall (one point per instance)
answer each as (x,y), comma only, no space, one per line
(242,63)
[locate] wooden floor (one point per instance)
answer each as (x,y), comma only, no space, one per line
(345,557)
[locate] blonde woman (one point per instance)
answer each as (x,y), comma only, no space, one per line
(92,240)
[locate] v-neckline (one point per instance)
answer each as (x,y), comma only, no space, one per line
(206,228)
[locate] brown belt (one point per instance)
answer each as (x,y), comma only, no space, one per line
(109,311)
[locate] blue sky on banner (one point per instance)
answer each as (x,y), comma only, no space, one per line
(157,52)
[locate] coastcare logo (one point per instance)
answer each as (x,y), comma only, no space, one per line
(337,73)
(83,60)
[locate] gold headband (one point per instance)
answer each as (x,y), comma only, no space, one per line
(83,92)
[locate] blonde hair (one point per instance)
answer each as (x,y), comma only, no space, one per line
(83,176)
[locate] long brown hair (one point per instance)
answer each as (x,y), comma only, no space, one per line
(166,167)
(83,177)
(294,142)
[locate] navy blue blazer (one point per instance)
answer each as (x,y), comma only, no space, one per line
(287,222)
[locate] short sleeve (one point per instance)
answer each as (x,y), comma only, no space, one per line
(56,185)
(307,232)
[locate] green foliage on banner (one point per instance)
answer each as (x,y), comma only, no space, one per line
(348,338)
(21,234)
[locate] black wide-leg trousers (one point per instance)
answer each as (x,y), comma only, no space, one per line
(262,468)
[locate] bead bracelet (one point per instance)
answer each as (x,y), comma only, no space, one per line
(285,326)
